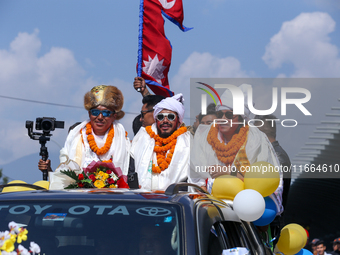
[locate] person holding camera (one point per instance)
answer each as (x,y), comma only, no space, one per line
(100,138)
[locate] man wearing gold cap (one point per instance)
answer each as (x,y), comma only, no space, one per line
(101,137)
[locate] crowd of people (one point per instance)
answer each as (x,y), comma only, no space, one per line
(319,247)
(160,152)
(164,150)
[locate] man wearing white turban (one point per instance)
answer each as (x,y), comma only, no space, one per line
(161,152)
(232,144)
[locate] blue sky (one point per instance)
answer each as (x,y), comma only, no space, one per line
(54,51)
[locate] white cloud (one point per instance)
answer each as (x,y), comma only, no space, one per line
(26,44)
(57,65)
(20,57)
(203,65)
(305,43)
(52,77)
(54,72)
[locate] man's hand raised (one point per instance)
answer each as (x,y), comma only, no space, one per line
(140,86)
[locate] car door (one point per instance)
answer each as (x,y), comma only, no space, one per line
(209,238)
(238,233)
(219,229)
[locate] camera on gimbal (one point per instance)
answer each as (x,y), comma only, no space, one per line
(47,124)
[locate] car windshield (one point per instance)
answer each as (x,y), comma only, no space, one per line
(99,227)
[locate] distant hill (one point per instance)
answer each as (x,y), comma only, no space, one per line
(26,168)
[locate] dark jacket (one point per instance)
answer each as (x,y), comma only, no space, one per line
(286,166)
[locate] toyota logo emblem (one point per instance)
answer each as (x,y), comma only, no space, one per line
(153,211)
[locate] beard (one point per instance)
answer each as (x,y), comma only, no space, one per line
(165,134)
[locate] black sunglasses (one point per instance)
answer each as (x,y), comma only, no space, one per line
(169,116)
(229,115)
(143,112)
(105,113)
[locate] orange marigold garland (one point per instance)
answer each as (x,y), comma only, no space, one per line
(162,146)
(92,142)
(107,161)
(226,152)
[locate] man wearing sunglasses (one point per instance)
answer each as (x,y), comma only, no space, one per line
(149,102)
(100,137)
(228,147)
(161,151)
(145,118)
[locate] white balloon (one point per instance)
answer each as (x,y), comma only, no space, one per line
(249,205)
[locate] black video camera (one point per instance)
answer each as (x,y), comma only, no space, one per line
(47,124)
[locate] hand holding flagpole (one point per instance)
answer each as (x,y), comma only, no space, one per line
(140,85)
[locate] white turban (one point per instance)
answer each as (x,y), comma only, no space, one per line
(227,101)
(174,104)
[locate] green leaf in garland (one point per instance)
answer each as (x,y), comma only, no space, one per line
(70,174)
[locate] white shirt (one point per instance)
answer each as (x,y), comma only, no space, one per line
(142,151)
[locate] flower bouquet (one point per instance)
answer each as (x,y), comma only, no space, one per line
(97,175)
(16,234)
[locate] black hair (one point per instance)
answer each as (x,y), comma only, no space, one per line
(152,100)
(211,107)
(136,124)
(320,242)
(211,110)
(200,116)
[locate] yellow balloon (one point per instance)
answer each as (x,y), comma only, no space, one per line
(15,188)
(300,229)
(227,187)
(290,241)
(262,177)
(43,184)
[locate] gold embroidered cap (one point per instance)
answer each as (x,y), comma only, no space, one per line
(109,96)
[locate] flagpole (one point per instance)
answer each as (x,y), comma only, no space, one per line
(140,39)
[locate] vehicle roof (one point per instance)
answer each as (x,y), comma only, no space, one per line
(172,196)
(102,194)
